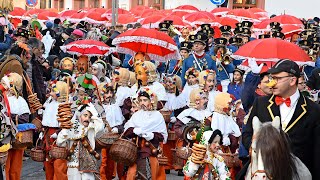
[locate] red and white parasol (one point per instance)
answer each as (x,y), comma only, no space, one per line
(157,45)
(220,11)
(151,21)
(273,49)
(186,8)
(17,13)
(95,18)
(86,47)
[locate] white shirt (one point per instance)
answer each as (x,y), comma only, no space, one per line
(49,117)
(212,95)
(286,112)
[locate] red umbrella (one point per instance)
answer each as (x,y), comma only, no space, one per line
(34,11)
(51,15)
(177,21)
(146,14)
(157,45)
(220,11)
(224,21)
(242,14)
(66,14)
(186,8)
(95,18)
(179,13)
(151,21)
(287,19)
(98,10)
(193,17)
(77,17)
(86,47)
(273,49)
(165,11)
(42,17)
(206,21)
(126,19)
(289,30)
(17,12)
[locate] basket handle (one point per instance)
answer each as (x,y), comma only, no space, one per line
(37,143)
(17,120)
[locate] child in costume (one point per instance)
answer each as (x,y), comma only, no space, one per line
(212,167)
(80,140)
(20,112)
(54,168)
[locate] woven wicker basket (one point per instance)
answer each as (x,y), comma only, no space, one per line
(171,135)
(183,152)
(37,122)
(106,140)
(37,154)
(166,115)
(58,152)
(124,151)
(26,140)
(3,157)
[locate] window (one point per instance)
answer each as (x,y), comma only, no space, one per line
(140,2)
(43,4)
(157,1)
(61,4)
(244,4)
(96,3)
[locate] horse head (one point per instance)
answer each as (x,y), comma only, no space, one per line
(258,171)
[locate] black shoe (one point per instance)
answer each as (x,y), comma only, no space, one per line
(167,171)
(180,173)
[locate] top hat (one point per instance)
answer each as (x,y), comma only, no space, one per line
(200,37)
(246,24)
(164,26)
(168,21)
(225,29)
(220,41)
(185,45)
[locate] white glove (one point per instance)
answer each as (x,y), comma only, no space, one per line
(115,130)
(189,137)
(254,66)
(137,131)
(54,136)
(226,141)
(41,136)
(173,119)
(148,136)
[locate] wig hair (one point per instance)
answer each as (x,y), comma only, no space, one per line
(122,76)
(203,75)
(222,102)
(195,96)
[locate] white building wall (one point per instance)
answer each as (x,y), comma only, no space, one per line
(124,4)
(301,9)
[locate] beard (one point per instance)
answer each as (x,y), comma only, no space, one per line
(81,69)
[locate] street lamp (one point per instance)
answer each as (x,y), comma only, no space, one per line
(115,6)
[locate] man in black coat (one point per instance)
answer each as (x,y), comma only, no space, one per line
(299,115)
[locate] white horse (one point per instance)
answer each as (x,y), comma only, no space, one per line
(270,154)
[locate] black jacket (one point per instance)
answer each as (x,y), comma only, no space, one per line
(314,80)
(303,129)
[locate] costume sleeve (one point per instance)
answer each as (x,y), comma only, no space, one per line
(120,128)
(250,85)
(316,150)
(190,168)
(178,128)
(248,131)
(223,171)
(62,138)
(6,44)
(183,71)
(23,118)
(129,133)
(229,68)
(126,60)
(157,138)
(98,126)
(125,108)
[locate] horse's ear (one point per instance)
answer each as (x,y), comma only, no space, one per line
(276,122)
(256,124)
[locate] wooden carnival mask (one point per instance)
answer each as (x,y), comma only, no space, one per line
(141,74)
(82,64)
(67,64)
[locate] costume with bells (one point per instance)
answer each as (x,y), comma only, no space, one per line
(55,168)
(80,141)
(20,112)
(213,167)
(150,129)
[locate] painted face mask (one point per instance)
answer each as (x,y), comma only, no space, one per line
(82,64)
(67,65)
(141,75)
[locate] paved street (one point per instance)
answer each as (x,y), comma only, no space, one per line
(33,171)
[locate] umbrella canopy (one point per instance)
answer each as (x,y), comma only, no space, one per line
(224,21)
(193,17)
(220,11)
(177,21)
(66,14)
(126,19)
(151,21)
(273,49)
(108,13)
(75,18)
(186,8)
(287,19)
(33,11)
(243,14)
(51,15)
(95,18)
(157,45)
(86,47)
(289,30)
(17,12)
(179,13)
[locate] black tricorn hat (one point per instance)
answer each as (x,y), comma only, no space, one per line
(225,29)
(164,26)
(246,24)
(305,43)
(205,26)
(185,46)
(278,35)
(201,37)
(220,41)
(192,38)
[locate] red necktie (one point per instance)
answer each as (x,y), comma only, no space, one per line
(280,100)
